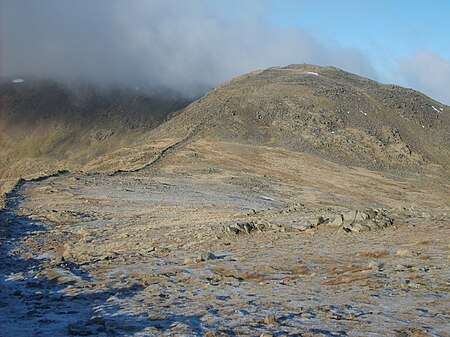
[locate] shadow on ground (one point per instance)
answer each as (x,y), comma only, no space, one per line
(31,304)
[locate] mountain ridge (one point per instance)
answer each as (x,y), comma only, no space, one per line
(324,111)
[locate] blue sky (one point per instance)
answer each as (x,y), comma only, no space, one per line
(194,45)
(384,30)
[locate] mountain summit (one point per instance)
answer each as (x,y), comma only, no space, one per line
(323,111)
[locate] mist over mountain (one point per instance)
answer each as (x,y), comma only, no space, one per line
(188,47)
(46,125)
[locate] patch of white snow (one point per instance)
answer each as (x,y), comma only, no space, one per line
(18,80)
(437,110)
(311,73)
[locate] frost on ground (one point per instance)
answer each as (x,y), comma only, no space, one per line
(145,254)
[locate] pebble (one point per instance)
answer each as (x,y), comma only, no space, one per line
(270,319)
(207,256)
(201,258)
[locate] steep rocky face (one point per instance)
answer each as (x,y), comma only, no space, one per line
(327,112)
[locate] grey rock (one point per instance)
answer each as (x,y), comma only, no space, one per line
(350,216)
(239,227)
(361,216)
(362,220)
(338,221)
(371,213)
(200,258)
(270,319)
(207,256)
(300,227)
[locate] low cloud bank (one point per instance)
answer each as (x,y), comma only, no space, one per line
(185,46)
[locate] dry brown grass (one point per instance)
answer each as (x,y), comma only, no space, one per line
(347,279)
(347,269)
(376,254)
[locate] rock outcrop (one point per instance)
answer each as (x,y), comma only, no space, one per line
(362,220)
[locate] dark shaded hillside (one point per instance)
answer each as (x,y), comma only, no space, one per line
(30,103)
(45,125)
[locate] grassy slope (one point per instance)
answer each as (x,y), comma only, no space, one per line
(45,126)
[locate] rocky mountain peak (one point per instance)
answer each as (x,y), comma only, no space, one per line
(324,111)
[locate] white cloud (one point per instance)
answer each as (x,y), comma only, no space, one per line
(189,46)
(428,72)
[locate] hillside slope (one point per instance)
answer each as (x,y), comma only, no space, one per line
(323,111)
(46,126)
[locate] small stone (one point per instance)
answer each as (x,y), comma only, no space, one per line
(350,216)
(266,334)
(220,332)
(270,319)
(201,258)
(317,221)
(402,334)
(239,227)
(299,227)
(207,256)
(361,216)
(58,259)
(190,260)
(338,221)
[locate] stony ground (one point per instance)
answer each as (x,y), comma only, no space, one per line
(145,254)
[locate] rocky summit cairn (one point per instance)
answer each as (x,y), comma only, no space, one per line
(362,220)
